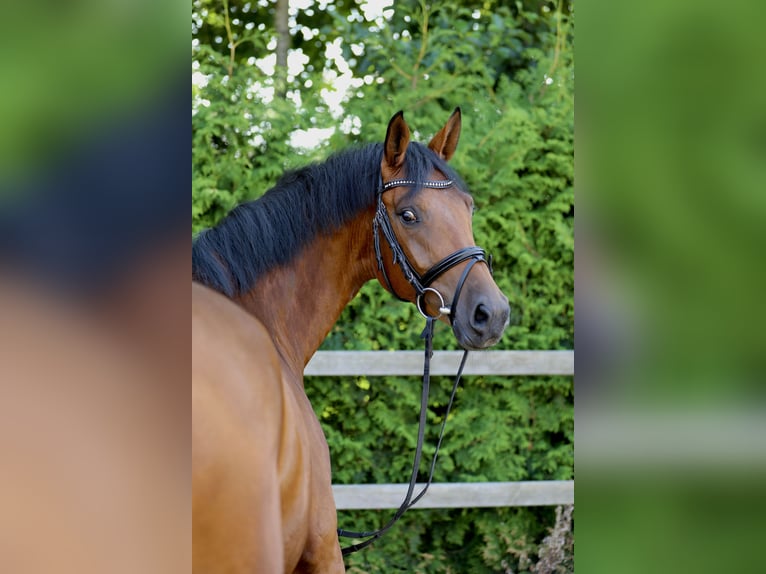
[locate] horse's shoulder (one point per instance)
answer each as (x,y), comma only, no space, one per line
(233,356)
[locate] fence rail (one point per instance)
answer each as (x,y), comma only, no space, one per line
(456,494)
(378,363)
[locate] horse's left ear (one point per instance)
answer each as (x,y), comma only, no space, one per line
(444,143)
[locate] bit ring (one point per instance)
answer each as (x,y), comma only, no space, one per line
(443,309)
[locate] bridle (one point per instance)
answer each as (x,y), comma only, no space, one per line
(422,285)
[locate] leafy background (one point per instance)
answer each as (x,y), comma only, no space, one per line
(509,66)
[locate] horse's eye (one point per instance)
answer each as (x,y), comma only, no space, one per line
(408,216)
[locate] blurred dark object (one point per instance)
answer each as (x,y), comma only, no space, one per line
(81,225)
(94,351)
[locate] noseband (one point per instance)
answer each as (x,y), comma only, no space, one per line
(421,283)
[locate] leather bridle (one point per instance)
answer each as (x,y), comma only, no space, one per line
(421,284)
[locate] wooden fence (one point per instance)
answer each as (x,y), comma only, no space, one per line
(448,495)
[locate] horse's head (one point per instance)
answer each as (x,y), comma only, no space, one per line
(423,224)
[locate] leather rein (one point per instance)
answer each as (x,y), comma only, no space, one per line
(422,285)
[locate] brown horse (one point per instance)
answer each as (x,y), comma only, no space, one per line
(272,279)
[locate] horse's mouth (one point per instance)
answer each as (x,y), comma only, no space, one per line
(471,342)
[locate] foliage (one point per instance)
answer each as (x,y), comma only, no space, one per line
(510,69)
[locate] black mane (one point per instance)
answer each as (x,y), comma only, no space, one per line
(316,199)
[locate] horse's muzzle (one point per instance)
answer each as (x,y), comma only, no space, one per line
(484,324)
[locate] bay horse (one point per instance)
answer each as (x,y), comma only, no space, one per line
(269,283)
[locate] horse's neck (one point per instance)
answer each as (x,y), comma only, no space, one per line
(300,302)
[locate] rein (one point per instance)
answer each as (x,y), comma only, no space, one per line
(421,285)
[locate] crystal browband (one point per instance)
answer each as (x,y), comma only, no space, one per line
(441,184)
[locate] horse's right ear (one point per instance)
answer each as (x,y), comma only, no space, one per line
(397,140)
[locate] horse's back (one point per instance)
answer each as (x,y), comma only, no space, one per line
(236,395)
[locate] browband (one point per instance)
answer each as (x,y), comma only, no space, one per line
(440,184)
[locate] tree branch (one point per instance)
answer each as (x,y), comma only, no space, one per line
(423,43)
(281,19)
(229,37)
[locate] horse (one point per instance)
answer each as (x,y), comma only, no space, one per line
(269,282)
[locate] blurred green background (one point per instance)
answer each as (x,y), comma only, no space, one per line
(70,68)
(671,180)
(347,67)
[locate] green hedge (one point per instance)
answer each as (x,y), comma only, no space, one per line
(511,71)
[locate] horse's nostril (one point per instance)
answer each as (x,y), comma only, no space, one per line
(480,315)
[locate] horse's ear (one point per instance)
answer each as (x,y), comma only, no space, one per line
(397,140)
(445,142)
